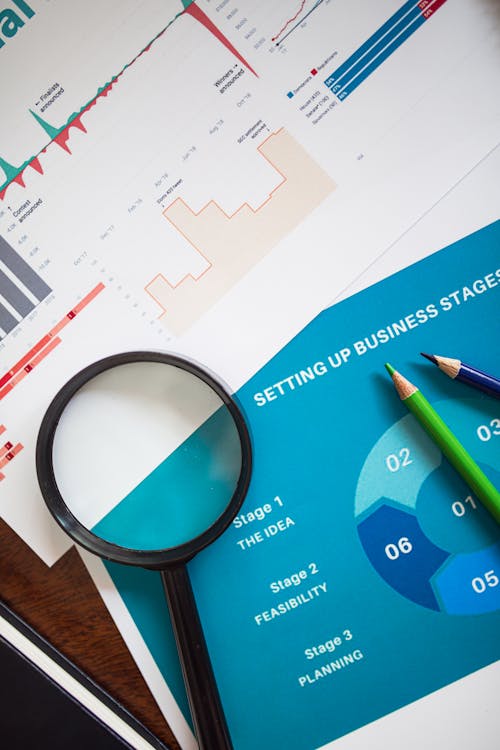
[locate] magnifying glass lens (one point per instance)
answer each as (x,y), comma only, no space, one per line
(146,456)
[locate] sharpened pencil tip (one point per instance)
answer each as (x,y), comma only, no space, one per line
(430,357)
(390,369)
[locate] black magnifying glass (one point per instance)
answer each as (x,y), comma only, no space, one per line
(144,458)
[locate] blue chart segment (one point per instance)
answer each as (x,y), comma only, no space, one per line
(470,582)
(402,554)
(421,528)
(386,40)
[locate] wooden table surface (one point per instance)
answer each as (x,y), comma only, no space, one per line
(64,606)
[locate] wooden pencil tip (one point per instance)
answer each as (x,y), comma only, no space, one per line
(390,369)
(430,357)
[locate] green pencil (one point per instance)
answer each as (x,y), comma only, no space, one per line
(454,451)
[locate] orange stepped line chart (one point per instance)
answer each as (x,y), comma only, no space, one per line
(231,244)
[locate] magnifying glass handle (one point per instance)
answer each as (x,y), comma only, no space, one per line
(204,701)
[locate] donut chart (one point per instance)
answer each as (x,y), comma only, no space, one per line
(420,526)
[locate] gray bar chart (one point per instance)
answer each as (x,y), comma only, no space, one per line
(7,321)
(17,278)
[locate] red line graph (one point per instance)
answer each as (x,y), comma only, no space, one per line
(196,12)
(62,138)
(290,20)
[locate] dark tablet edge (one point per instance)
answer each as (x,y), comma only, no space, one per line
(71,669)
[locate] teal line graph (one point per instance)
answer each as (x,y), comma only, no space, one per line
(60,135)
(14,173)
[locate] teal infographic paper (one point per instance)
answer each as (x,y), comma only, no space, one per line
(361,573)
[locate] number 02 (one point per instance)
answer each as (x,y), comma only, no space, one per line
(396,462)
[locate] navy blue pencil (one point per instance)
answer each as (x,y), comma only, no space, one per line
(458,370)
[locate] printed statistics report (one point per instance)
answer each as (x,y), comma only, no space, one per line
(269,531)
(206,177)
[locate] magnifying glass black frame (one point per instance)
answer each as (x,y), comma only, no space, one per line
(206,709)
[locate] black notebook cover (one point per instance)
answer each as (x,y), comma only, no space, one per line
(38,712)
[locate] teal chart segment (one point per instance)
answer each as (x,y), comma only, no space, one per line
(360,574)
(422,529)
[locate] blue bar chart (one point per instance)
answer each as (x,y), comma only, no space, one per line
(387,39)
